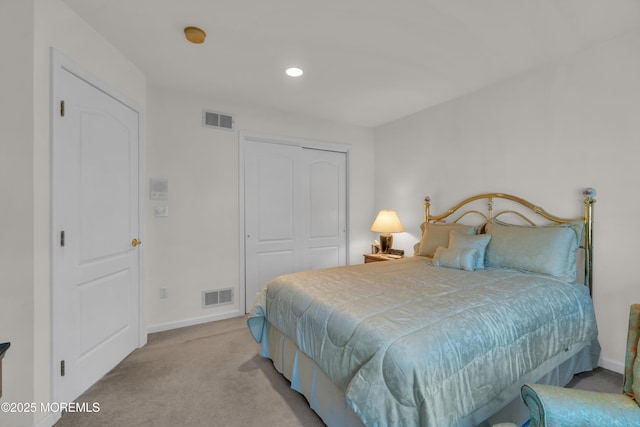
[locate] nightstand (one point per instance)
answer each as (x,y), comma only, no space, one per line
(379,257)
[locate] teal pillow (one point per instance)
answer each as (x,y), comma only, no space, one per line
(543,249)
(478,242)
(460,258)
(436,235)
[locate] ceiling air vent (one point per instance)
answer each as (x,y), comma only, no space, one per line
(217,120)
(219,297)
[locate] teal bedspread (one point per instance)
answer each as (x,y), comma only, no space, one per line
(416,345)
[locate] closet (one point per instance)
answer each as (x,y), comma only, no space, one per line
(295,209)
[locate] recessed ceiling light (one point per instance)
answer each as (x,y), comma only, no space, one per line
(294,72)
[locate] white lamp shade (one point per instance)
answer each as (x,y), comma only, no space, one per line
(387,222)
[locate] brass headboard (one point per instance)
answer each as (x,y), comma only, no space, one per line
(588,201)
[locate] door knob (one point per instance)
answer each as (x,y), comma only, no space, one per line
(135,242)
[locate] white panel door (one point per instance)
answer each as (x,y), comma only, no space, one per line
(95,218)
(273,220)
(295,211)
(326,213)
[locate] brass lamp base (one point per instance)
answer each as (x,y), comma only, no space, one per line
(386,240)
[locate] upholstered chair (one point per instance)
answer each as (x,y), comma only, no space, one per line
(560,407)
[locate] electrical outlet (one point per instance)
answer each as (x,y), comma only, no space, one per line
(160,211)
(164,293)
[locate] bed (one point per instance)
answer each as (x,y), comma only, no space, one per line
(445,337)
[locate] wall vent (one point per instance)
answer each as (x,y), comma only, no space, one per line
(216,120)
(217,297)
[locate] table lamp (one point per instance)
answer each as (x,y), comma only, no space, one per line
(387,222)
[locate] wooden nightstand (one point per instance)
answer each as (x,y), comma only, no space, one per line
(379,257)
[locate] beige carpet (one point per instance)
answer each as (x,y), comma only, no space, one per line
(204,375)
(212,375)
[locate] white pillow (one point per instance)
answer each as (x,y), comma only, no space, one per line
(478,242)
(460,258)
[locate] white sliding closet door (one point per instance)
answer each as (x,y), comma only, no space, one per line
(295,211)
(324,238)
(273,214)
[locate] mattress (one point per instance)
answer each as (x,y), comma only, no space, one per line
(408,343)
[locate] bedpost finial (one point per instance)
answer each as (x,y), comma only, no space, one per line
(589,192)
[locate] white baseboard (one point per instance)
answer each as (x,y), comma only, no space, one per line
(49,420)
(193,321)
(611,365)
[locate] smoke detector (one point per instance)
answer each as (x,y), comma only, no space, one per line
(195,35)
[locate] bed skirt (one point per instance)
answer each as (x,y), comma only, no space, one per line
(328,401)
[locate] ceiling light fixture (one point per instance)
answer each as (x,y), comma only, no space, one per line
(294,72)
(195,35)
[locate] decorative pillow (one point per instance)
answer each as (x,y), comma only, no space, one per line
(478,242)
(416,248)
(635,385)
(435,235)
(544,249)
(460,258)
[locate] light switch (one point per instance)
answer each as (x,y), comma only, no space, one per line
(161,211)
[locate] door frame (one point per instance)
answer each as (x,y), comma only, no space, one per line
(297,142)
(59,64)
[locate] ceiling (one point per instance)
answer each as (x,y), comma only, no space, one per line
(366,62)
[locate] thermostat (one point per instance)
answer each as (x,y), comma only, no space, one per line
(159,189)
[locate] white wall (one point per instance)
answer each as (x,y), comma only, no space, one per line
(202,167)
(543,135)
(16,215)
(29,28)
